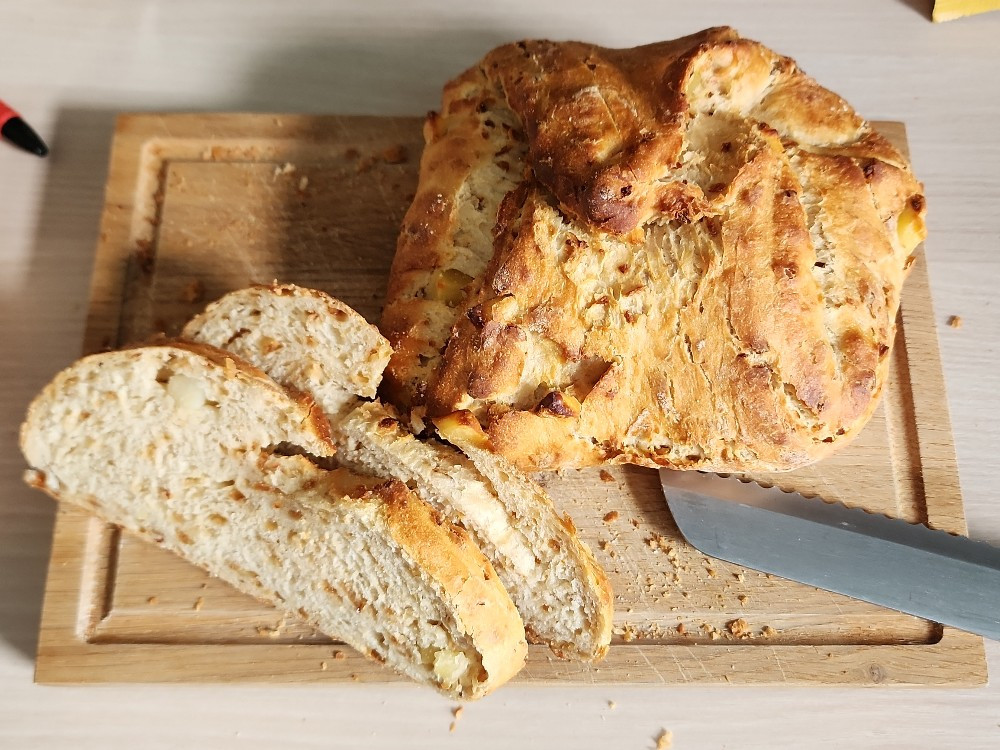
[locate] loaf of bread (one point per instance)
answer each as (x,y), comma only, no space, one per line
(687,254)
(562,594)
(193,449)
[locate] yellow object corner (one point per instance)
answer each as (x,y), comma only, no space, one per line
(949,10)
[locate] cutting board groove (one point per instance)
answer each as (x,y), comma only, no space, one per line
(198,205)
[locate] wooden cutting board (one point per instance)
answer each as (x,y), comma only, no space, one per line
(198,205)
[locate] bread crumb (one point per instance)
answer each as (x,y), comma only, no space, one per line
(738,627)
(606,476)
(955,321)
(611,516)
(322,666)
(739,577)
(635,523)
(659,543)
(193,292)
(286,168)
(303,184)
(768,632)
(355,677)
(271,632)
(681,628)
(153,600)
(664,740)
(198,603)
(394,154)
(743,599)
(145,256)
(339,655)
(612,705)
(711,572)
(456,712)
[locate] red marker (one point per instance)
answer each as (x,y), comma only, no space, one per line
(18,132)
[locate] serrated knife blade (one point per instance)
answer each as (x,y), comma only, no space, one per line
(949,579)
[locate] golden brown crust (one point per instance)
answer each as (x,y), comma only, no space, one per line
(463,430)
(700,268)
(487,613)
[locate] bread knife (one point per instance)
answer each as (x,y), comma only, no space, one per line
(943,577)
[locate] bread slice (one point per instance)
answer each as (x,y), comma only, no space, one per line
(562,594)
(259,320)
(193,449)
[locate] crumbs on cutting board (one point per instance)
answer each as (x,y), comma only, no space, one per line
(706,583)
(955,321)
(193,291)
(606,476)
(738,629)
(394,155)
(271,631)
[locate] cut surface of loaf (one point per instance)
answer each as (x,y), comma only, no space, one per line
(259,320)
(189,447)
(687,254)
(562,594)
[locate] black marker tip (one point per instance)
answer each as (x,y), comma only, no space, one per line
(18,132)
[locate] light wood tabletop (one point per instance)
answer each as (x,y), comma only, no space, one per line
(70,68)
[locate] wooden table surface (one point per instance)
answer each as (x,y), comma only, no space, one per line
(70,68)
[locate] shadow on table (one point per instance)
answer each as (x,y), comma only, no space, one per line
(47,309)
(922,7)
(395,73)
